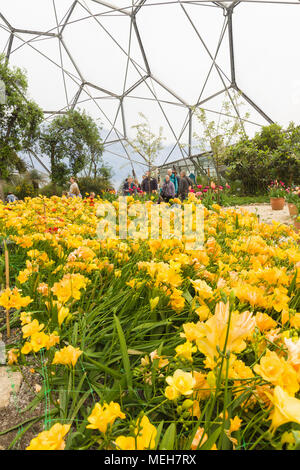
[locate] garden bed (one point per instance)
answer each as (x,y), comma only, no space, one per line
(135,336)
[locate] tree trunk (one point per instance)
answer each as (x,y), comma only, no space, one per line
(11,123)
(2,190)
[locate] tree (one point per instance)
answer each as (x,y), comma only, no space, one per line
(248,164)
(20,119)
(273,153)
(283,148)
(219,135)
(146,143)
(72,142)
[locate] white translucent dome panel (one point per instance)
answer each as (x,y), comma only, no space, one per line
(271,57)
(107,39)
(118,58)
(51,84)
(180,45)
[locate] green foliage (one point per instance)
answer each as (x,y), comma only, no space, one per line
(72,142)
(88,184)
(232,200)
(202,179)
(24,189)
(19,120)
(35,178)
(218,135)
(20,187)
(51,189)
(293,196)
(297,203)
(274,153)
(25,185)
(247,164)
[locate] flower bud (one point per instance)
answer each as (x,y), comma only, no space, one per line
(187,404)
(211,379)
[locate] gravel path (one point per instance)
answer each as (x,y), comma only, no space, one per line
(266,215)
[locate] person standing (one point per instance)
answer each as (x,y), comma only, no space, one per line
(74,188)
(184,186)
(172,176)
(178,179)
(167,190)
(149,185)
(153,185)
(145,186)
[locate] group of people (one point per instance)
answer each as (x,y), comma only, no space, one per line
(175,186)
(149,185)
(172,185)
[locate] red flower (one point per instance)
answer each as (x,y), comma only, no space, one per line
(52,229)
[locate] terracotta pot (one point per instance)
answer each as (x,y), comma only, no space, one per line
(297,225)
(277,203)
(292,209)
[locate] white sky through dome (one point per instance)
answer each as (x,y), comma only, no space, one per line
(94,50)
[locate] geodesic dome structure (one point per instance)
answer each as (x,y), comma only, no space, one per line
(159,57)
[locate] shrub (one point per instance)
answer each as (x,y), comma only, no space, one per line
(51,189)
(98,185)
(273,153)
(24,189)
